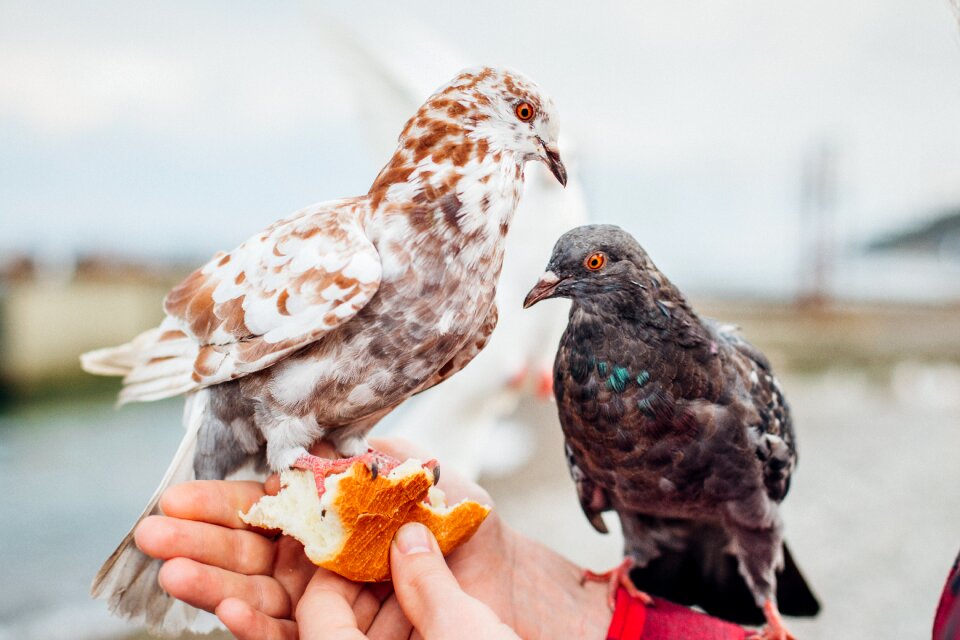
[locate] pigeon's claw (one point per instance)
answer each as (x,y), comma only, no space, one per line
(377,462)
(433,467)
(618,577)
(774,629)
(323,467)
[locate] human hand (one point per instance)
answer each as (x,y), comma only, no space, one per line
(211,555)
(526,585)
(428,596)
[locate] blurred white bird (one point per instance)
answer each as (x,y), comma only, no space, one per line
(388,69)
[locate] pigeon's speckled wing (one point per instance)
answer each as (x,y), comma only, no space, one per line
(274,294)
(773,433)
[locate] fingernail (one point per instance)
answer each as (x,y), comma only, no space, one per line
(412,538)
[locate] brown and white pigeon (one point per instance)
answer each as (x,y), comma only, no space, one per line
(677,424)
(390,71)
(321,324)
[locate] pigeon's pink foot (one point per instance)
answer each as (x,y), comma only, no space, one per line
(617,577)
(775,630)
(545,383)
(375,461)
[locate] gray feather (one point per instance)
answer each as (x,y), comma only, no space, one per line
(128,579)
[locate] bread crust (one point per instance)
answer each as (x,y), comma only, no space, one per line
(369,512)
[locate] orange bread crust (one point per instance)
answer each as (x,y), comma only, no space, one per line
(351,529)
(372,510)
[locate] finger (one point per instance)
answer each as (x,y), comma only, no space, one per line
(382,590)
(206,587)
(326,608)
(272,484)
(390,623)
(246,623)
(366,607)
(214,501)
(430,596)
(292,569)
(236,550)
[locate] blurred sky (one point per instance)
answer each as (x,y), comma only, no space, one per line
(175,129)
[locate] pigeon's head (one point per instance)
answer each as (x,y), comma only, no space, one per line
(592,262)
(493,110)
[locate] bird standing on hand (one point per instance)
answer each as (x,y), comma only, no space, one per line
(678,425)
(320,325)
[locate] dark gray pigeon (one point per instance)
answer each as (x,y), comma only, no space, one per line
(679,425)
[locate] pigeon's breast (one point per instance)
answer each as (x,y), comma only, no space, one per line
(627,433)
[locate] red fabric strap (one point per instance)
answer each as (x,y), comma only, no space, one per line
(946,624)
(632,620)
(629,616)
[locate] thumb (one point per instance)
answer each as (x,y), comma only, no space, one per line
(427,592)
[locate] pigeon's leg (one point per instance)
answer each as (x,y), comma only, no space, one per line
(639,548)
(287,436)
(352,443)
(759,554)
(375,461)
(617,577)
(774,629)
(356,449)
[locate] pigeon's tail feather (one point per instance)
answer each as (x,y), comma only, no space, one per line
(128,579)
(119,360)
(703,573)
(794,595)
(156,364)
(159,388)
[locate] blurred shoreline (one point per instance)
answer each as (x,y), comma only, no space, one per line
(42,343)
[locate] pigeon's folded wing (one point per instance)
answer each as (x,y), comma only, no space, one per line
(274,294)
(773,435)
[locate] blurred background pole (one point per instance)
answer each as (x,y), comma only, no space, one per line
(818,206)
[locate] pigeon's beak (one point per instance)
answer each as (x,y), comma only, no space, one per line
(544,288)
(551,157)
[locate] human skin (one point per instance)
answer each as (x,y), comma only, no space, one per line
(261,585)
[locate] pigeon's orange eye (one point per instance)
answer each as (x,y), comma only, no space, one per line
(595,261)
(524,111)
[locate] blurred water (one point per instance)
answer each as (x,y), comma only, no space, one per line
(74,478)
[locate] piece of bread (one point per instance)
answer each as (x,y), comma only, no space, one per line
(350,529)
